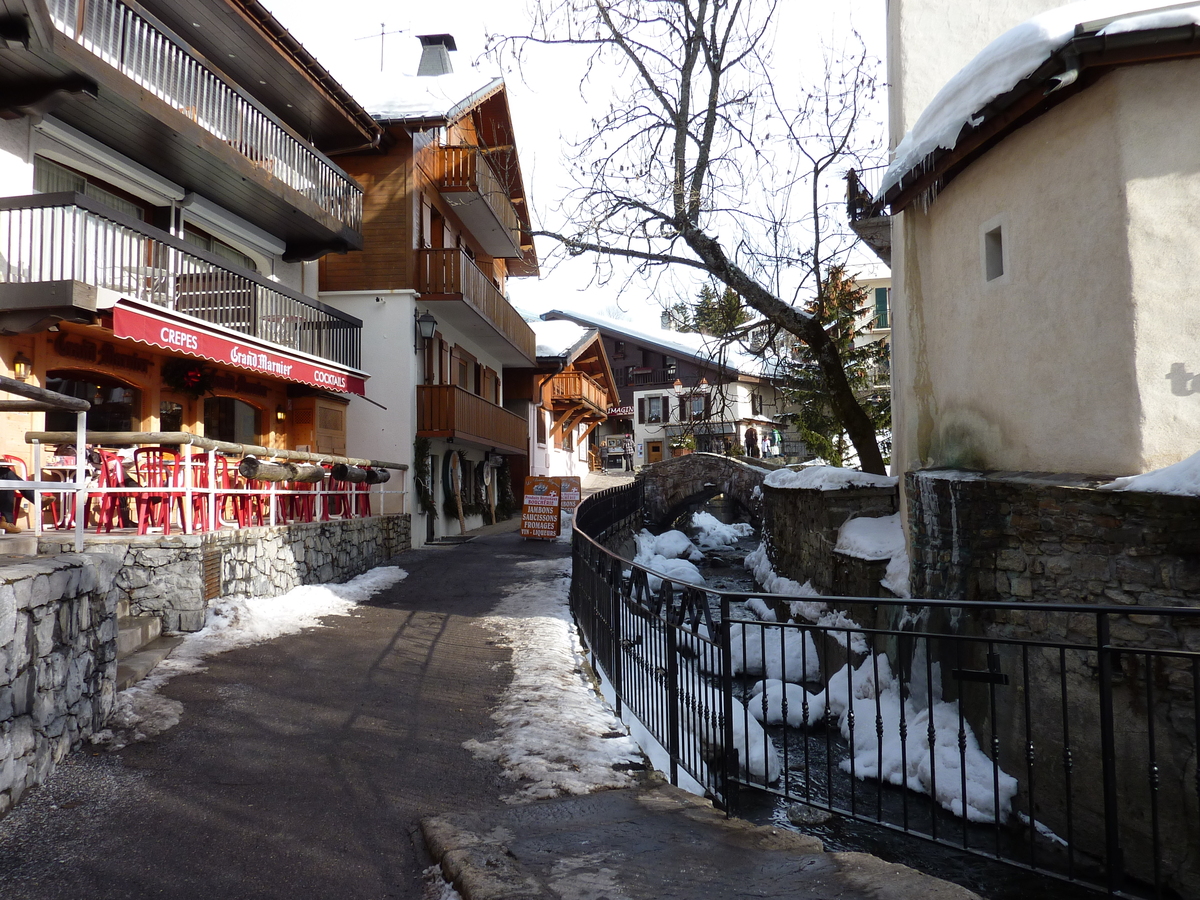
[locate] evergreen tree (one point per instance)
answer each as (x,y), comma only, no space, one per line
(843,308)
(719,315)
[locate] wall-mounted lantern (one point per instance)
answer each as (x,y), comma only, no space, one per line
(22,367)
(280,414)
(426,328)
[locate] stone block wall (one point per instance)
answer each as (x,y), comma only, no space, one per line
(811,520)
(165,576)
(1018,537)
(58,663)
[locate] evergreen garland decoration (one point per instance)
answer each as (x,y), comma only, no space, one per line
(188,376)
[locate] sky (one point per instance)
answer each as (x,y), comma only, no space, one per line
(545,99)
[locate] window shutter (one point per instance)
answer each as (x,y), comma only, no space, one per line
(707,406)
(683,410)
(666,408)
(641,410)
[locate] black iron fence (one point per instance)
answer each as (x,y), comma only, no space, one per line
(1060,739)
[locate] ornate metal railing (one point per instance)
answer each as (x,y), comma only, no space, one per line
(1066,733)
(144,51)
(70,237)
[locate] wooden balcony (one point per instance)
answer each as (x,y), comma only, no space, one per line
(466,298)
(448,411)
(468,183)
(579,388)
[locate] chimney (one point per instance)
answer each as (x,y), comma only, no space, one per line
(435,56)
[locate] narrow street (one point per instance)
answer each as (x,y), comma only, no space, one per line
(301,766)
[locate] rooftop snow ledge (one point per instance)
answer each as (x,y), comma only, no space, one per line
(1003,63)
(1181,479)
(826,478)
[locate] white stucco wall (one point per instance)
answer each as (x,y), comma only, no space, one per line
(1062,364)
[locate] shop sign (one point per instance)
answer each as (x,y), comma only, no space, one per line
(621,411)
(540,508)
(570,492)
(190,340)
(240,384)
(100,355)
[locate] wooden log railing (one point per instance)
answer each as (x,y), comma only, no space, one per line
(448,411)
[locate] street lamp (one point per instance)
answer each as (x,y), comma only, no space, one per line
(22,367)
(426,327)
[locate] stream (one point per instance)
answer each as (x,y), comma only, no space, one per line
(811,759)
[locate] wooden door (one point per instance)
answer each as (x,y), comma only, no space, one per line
(654,451)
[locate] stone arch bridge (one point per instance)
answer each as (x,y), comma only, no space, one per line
(674,486)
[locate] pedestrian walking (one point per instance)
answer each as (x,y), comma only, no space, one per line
(751,442)
(627,446)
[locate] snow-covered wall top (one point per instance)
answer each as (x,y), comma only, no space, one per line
(826,478)
(422,96)
(1181,479)
(1015,55)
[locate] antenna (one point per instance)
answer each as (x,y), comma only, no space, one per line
(382,34)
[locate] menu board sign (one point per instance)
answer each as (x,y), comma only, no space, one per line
(540,508)
(570,492)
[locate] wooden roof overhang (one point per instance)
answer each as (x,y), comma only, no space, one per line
(255,50)
(1075,66)
(43,71)
(571,408)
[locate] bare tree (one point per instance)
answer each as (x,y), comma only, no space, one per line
(699,162)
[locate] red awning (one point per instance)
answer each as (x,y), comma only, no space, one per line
(191,338)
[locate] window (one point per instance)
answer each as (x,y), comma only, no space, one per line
(229,419)
(115,406)
(50,178)
(170,416)
(882,298)
(205,241)
(654,409)
(993,250)
(540,417)
(756,404)
(618,348)
(669,362)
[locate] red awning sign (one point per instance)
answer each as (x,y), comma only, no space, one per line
(192,340)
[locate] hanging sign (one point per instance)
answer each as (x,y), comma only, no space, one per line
(540,508)
(570,492)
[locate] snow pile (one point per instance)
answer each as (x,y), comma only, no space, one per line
(554,733)
(1181,479)
(758,608)
(913,763)
(764,573)
(826,478)
(786,654)
(233,622)
(881,537)
(713,534)
(769,698)
(999,67)
(662,553)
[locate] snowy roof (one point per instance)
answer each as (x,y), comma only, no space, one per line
(408,97)
(558,337)
(698,346)
(1011,57)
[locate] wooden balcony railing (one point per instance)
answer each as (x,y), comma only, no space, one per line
(70,237)
(448,411)
(466,169)
(579,386)
(451,273)
(141,49)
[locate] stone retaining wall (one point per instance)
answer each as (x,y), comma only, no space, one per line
(58,663)
(811,520)
(166,575)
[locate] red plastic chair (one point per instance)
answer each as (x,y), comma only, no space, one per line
(224,483)
(109,474)
(362,499)
(157,468)
(337,501)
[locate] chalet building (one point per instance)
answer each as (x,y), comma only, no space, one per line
(679,391)
(165,186)
(570,393)
(1025,339)
(445,227)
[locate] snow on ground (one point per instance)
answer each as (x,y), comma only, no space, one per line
(660,554)
(1181,479)
(826,478)
(713,534)
(1009,58)
(141,712)
(555,736)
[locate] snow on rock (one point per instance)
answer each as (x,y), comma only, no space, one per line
(844,629)
(772,695)
(764,573)
(866,695)
(758,608)
(788,654)
(555,734)
(1002,64)
(1181,479)
(661,555)
(880,537)
(230,623)
(713,534)
(826,478)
